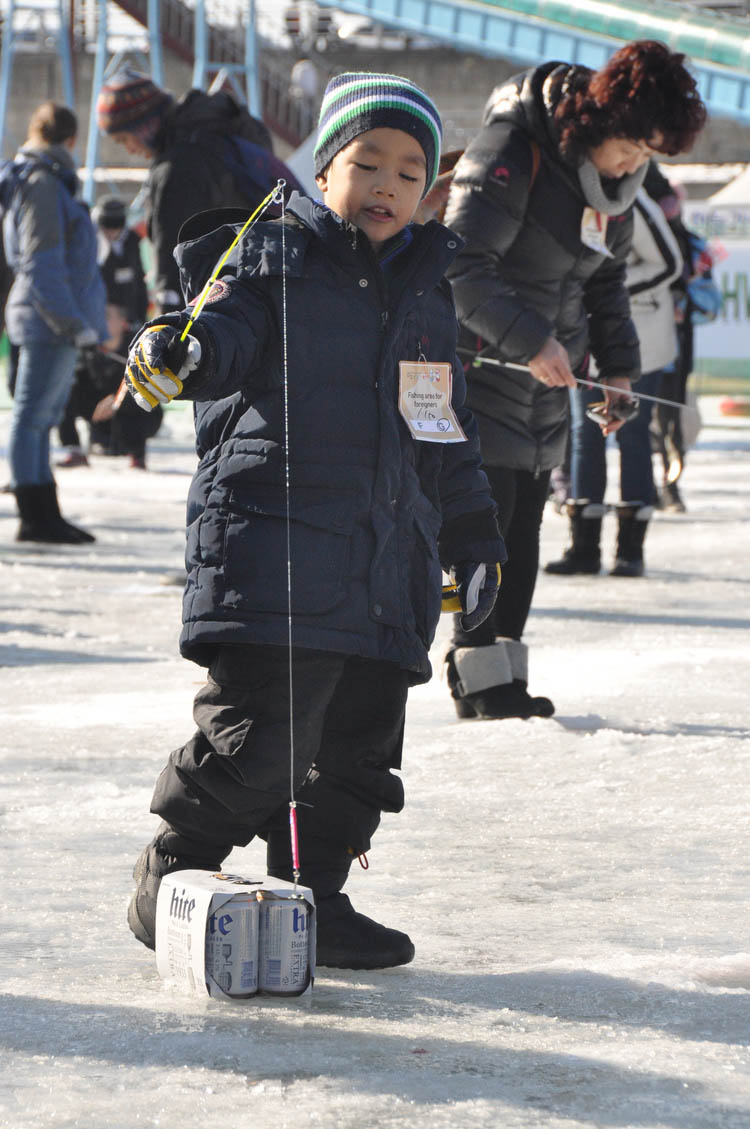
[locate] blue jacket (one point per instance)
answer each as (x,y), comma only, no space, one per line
(367,502)
(50,245)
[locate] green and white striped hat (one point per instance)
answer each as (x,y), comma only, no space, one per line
(358,101)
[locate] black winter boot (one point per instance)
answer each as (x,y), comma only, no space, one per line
(166,853)
(476,677)
(519,668)
(37,522)
(41,519)
(509,700)
(670,499)
(345,938)
(583,555)
(487,682)
(57,521)
(632,522)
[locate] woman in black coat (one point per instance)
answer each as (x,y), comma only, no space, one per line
(543,198)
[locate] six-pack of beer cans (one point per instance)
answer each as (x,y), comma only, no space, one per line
(235,938)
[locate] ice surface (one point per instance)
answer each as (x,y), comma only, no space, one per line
(576,888)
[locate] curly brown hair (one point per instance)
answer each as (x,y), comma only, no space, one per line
(643,90)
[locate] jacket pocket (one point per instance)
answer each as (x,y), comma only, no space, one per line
(257,549)
(427,573)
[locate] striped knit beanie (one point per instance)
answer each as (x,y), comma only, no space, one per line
(356,102)
(130,102)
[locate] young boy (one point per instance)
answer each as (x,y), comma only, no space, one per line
(374,510)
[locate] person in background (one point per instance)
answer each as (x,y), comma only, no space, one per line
(196,162)
(543,199)
(654,262)
(97,374)
(376,506)
(205,151)
(697,300)
(119,257)
(56,306)
(98,396)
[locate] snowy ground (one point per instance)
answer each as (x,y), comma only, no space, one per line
(577,888)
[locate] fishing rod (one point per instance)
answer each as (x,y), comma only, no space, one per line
(479,361)
(178,348)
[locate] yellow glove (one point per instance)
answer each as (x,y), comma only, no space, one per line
(158,363)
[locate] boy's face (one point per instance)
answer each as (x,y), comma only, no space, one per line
(376,182)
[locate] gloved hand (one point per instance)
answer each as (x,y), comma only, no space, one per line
(158,363)
(85,338)
(623,408)
(477,585)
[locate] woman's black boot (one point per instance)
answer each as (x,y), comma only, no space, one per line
(632,522)
(491,681)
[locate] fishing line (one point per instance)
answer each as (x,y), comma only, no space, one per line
(272,197)
(293,832)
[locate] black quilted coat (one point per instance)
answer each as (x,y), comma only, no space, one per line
(525,275)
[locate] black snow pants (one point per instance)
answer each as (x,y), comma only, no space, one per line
(232,780)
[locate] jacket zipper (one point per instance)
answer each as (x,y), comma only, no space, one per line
(383,326)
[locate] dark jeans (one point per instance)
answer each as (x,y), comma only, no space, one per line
(520,497)
(43,382)
(233,779)
(589,455)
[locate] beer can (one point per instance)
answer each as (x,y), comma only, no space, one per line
(232,946)
(284,946)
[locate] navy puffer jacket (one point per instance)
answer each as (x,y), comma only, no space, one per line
(368,503)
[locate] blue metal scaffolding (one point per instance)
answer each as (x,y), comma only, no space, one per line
(532,31)
(222,71)
(528,31)
(52,18)
(204,68)
(25,25)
